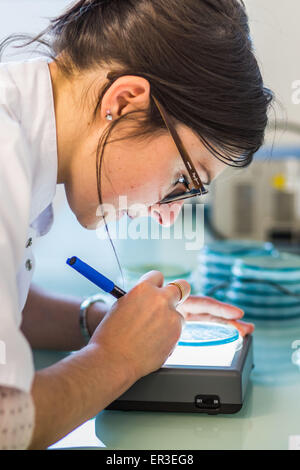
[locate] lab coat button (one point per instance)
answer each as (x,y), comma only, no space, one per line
(29,242)
(28,265)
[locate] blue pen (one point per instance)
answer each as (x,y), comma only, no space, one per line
(94,276)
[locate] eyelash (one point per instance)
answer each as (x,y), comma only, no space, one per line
(182,180)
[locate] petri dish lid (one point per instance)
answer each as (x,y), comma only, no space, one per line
(207,334)
(283,266)
(262,299)
(266,287)
(169,271)
(238,248)
(222,270)
(280,262)
(265,312)
(224,253)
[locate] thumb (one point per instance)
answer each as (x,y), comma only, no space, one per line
(154,277)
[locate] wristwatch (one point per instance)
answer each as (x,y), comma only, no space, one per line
(85,304)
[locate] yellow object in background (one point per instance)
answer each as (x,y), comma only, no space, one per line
(279,181)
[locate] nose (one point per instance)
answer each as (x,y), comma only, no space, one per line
(166,214)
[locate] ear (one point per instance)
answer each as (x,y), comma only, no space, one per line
(127,93)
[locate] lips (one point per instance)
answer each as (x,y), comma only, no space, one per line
(130,216)
(124,212)
(156,215)
(120,214)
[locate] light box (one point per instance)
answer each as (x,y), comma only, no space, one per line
(205,373)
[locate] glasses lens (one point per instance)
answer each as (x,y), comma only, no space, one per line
(181,197)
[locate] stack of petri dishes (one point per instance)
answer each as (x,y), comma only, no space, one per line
(276,353)
(216,261)
(266,287)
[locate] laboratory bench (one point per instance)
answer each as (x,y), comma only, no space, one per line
(269,418)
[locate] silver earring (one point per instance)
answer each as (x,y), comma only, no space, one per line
(109,115)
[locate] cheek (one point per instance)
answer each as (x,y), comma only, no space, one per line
(143,176)
(152,183)
(144,188)
(146,192)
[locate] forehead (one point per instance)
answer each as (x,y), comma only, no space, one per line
(204,161)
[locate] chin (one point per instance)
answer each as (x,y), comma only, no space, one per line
(89,224)
(98,223)
(92,223)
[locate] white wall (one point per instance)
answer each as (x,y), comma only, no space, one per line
(27,15)
(276,33)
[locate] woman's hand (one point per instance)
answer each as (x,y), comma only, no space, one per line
(143,327)
(207,309)
(95,314)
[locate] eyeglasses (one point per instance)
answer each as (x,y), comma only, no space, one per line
(199,189)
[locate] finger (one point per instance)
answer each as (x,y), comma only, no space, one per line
(244,328)
(182,319)
(177,291)
(154,277)
(198,304)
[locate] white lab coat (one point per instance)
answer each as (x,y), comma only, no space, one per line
(28,176)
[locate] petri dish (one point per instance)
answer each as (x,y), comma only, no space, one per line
(225,252)
(212,270)
(216,259)
(171,272)
(267,312)
(206,344)
(284,266)
(261,298)
(201,334)
(263,288)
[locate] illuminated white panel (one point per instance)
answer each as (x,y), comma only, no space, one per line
(220,355)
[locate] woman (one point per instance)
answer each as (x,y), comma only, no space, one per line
(125,70)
